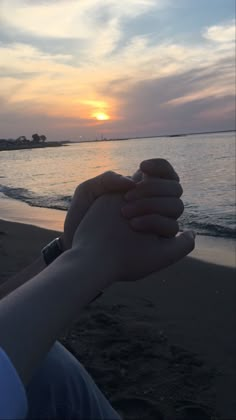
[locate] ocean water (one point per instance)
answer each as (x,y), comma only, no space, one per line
(205,163)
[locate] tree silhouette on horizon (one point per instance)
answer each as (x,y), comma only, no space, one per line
(36,138)
(43,138)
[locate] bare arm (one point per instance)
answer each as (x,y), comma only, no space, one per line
(33,315)
(22,277)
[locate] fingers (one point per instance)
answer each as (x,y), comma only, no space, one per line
(180,246)
(159,168)
(108,182)
(155,187)
(137,176)
(164,206)
(113,182)
(155,224)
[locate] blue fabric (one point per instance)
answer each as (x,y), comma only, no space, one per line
(63,389)
(13,403)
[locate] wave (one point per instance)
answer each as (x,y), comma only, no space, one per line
(191,220)
(59,202)
(210,229)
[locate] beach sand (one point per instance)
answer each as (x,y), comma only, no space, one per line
(159,344)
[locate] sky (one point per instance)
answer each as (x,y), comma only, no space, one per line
(83,69)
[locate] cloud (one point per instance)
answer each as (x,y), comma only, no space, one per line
(210,82)
(73,59)
(149,105)
(145,108)
(94,26)
(221,33)
(70,18)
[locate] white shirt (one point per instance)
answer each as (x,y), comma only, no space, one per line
(13,402)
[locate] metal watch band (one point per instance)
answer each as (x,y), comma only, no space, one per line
(51,251)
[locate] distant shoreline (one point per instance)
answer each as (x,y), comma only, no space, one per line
(31,146)
(151,137)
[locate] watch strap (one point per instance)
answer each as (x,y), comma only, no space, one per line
(52,250)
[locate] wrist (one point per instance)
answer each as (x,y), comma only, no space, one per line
(91,262)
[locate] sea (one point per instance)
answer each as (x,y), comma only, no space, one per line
(205,163)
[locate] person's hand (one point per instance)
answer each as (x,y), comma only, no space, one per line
(105,238)
(151,176)
(154,205)
(85,195)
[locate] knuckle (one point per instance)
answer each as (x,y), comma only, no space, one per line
(174,228)
(87,185)
(80,188)
(162,162)
(190,243)
(159,161)
(143,163)
(180,207)
(105,177)
(154,165)
(137,176)
(166,168)
(108,173)
(179,189)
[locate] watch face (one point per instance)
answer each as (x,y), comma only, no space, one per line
(51,251)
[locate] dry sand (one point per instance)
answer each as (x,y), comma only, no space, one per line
(160,344)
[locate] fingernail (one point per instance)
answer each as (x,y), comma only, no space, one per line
(192,233)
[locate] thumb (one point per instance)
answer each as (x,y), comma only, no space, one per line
(137,176)
(109,182)
(181,245)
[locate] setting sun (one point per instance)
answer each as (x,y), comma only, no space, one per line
(101,116)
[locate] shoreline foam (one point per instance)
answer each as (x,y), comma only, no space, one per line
(211,249)
(201,224)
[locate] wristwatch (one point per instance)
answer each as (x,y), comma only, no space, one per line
(52,250)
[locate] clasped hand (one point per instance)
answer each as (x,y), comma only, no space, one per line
(129,225)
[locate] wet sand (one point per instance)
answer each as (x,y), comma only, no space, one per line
(154,346)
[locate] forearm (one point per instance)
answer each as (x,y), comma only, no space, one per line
(33,315)
(19,279)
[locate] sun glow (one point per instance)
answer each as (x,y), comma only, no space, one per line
(101,116)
